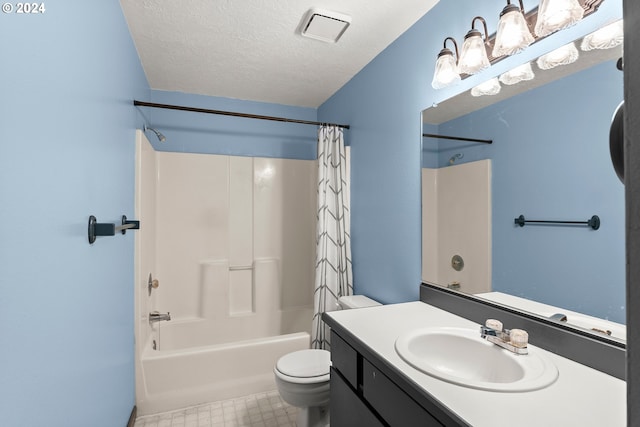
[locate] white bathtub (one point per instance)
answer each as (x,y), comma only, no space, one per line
(179,377)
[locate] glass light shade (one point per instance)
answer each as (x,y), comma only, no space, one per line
(446,71)
(512,35)
(562,56)
(473,57)
(490,87)
(519,74)
(554,15)
(605,38)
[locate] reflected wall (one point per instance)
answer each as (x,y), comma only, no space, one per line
(551,160)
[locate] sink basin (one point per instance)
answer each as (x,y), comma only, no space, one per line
(461,357)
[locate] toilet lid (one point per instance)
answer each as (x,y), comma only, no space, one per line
(305,363)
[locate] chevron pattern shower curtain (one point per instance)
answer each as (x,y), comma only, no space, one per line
(333,243)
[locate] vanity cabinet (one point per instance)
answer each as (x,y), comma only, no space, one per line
(362,394)
(371,385)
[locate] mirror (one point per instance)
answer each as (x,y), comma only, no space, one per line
(548,160)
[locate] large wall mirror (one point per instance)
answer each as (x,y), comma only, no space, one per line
(548,160)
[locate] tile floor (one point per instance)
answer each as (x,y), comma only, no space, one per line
(257,410)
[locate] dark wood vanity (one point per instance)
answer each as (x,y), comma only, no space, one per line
(363,392)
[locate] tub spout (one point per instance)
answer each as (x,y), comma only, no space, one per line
(154,316)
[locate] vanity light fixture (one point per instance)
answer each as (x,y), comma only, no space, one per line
(513,34)
(446,67)
(518,74)
(474,51)
(554,15)
(562,56)
(606,37)
(490,87)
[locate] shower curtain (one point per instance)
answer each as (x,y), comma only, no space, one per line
(333,277)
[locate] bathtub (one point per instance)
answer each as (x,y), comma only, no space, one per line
(175,376)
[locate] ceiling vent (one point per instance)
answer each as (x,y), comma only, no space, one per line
(324,25)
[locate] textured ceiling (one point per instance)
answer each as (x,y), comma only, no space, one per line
(252,49)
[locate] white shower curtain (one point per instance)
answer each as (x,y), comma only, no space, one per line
(333,243)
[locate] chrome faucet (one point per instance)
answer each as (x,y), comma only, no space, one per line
(514,340)
(154,316)
(560,317)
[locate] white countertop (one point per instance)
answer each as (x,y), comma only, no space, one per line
(581,396)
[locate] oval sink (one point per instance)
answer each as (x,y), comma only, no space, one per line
(461,357)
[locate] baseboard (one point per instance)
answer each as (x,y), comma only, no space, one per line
(132,417)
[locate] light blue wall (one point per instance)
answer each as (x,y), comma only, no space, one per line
(382,103)
(67,124)
(66,151)
(218,134)
(550,157)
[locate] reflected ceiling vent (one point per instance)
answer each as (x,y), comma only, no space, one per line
(324,25)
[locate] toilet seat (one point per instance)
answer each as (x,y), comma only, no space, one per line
(304,366)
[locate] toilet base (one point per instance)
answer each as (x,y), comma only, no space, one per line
(313,416)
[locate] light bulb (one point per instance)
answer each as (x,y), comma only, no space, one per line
(513,34)
(516,75)
(606,37)
(446,72)
(554,15)
(562,56)
(474,54)
(490,87)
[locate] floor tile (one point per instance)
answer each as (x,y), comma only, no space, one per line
(256,410)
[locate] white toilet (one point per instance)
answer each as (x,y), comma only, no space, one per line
(302,377)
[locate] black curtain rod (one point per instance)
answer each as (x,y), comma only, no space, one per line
(231,113)
(457,138)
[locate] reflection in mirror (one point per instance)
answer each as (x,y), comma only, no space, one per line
(548,160)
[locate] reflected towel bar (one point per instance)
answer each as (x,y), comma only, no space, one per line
(96,228)
(593,222)
(457,138)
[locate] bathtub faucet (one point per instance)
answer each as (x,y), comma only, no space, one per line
(154,316)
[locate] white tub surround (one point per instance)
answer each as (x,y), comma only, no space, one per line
(231,242)
(456,221)
(580,396)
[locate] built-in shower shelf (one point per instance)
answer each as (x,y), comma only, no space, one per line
(96,228)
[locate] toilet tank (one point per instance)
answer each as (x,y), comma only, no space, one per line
(356,301)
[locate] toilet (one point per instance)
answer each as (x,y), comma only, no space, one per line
(302,377)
